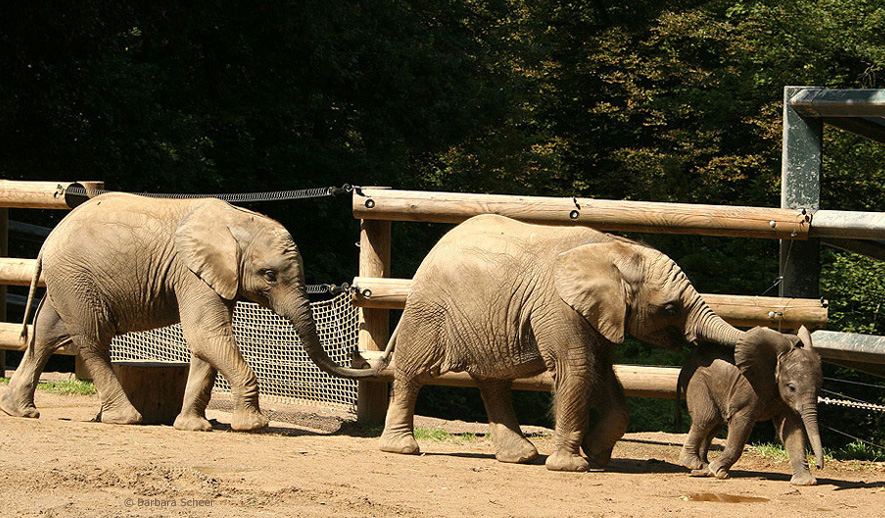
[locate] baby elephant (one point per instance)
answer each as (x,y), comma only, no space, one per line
(771,376)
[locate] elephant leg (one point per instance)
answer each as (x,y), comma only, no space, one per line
(739,428)
(399,433)
(50,333)
(611,405)
(200,380)
(510,444)
(694,452)
(792,434)
(705,420)
(206,323)
(572,410)
(705,446)
(115,406)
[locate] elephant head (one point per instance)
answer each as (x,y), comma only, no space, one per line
(620,286)
(785,366)
(240,253)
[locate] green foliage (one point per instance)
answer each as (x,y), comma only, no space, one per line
(859,451)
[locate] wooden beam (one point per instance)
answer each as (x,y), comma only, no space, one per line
(617,215)
(637,380)
(18,272)
(10,338)
(739,310)
(46,195)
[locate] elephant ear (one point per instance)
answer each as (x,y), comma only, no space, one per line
(587,279)
(804,337)
(206,246)
(756,355)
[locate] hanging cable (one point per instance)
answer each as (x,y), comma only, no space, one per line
(241,197)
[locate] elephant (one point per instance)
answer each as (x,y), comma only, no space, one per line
(501,299)
(120,263)
(768,375)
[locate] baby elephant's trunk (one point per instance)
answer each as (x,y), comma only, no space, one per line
(809,419)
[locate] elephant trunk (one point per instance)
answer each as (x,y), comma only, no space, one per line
(301,317)
(809,419)
(710,327)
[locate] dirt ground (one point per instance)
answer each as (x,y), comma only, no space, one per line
(64,465)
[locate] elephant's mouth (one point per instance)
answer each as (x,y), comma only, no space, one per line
(669,338)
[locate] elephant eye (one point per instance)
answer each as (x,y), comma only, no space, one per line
(269,275)
(671,310)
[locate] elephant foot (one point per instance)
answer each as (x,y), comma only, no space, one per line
(803,479)
(192,423)
(9,405)
(519,453)
(718,470)
(692,462)
(702,472)
(399,443)
(246,420)
(124,416)
(564,461)
(599,456)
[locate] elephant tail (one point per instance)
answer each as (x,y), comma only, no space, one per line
(38,270)
(385,358)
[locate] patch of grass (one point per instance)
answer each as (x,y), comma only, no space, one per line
(440,435)
(84,388)
(859,451)
(770,451)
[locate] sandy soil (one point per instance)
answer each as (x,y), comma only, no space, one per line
(64,465)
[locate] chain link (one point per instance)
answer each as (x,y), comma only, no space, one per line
(851,404)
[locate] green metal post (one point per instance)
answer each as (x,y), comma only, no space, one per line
(800,189)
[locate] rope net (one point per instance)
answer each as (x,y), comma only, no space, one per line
(271,347)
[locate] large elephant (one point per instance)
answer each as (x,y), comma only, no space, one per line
(768,375)
(121,263)
(501,300)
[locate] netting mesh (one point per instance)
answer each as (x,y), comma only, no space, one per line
(271,347)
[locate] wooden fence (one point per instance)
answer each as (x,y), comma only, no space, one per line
(376,293)
(18,272)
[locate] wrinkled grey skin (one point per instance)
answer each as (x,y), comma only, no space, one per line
(121,263)
(770,376)
(501,300)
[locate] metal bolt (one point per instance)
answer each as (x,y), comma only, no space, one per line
(367,293)
(794,234)
(574,214)
(772,223)
(772,314)
(370,204)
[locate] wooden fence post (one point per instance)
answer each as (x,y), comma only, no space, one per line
(374,324)
(4,252)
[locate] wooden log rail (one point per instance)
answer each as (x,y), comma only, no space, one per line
(18,272)
(45,195)
(637,380)
(739,310)
(376,203)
